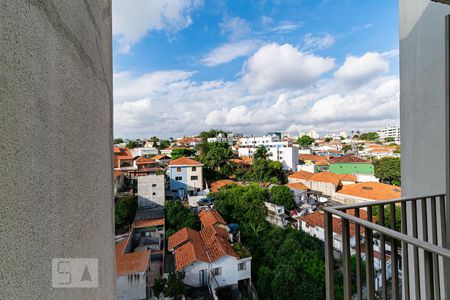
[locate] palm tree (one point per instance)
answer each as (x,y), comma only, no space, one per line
(261,153)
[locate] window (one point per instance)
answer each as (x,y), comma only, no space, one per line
(178,169)
(154,193)
(194,169)
(194,177)
(216,271)
(242,266)
(178,178)
(153,185)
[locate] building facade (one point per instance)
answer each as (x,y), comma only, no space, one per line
(151,190)
(186,177)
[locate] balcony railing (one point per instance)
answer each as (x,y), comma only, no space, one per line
(417,263)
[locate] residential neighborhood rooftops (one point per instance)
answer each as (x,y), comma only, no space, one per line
(348,177)
(160,156)
(297,186)
(217,185)
(130,263)
(311,157)
(141,160)
(371,190)
(322,163)
(317,219)
(210,217)
(149,223)
(349,159)
(184,161)
(326,177)
(301,175)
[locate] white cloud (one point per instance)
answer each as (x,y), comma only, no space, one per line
(234,27)
(228,52)
(276,66)
(286,26)
(357,70)
(318,42)
(172,103)
(133,19)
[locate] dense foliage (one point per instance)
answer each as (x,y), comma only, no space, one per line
(180,152)
(282,195)
(388,170)
(125,210)
(204,135)
(305,141)
(172,287)
(118,141)
(261,153)
(131,144)
(369,136)
(389,139)
(346,148)
(178,216)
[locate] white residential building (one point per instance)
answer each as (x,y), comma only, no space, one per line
(287,155)
(144,151)
(276,214)
(392,131)
(256,141)
(151,190)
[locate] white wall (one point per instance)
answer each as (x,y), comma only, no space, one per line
(127,289)
(195,184)
(151,190)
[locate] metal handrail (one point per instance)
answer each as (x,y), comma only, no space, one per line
(383,202)
(389,232)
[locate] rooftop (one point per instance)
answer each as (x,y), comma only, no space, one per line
(371,191)
(210,217)
(130,263)
(184,161)
(348,159)
(301,175)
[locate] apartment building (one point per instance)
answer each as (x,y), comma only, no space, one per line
(186,177)
(392,131)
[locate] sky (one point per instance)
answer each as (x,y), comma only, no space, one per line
(254,66)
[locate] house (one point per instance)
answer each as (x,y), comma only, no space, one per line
(188,141)
(314,225)
(207,257)
(131,271)
(366,191)
(299,176)
(161,159)
(276,214)
(350,164)
(218,184)
(168,151)
(151,190)
(144,151)
(243,162)
(186,177)
(149,229)
(123,159)
(282,152)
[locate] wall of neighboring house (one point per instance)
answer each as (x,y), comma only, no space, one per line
(151,190)
(325,187)
(230,274)
(56,90)
(192,273)
(423,101)
(178,184)
(194,184)
(347,199)
(352,169)
(131,286)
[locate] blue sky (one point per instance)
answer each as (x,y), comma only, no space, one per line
(183,66)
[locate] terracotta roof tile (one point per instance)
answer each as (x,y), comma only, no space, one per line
(129,263)
(372,191)
(216,243)
(322,163)
(311,157)
(217,185)
(350,159)
(210,217)
(181,236)
(144,161)
(348,177)
(301,175)
(160,156)
(149,223)
(326,177)
(317,219)
(184,161)
(297,186)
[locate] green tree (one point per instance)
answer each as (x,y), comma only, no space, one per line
(163,144)
(178,216)
(175,286)
(388,170)
(261,153)
(218,155)
(346,148)
(389,139)
(305,141)
(131,144)
(182,152)
(282,195)
(327,140)
(369,136)
(268,171)
(118,141)
(125,210)
(159,286)
(204,135)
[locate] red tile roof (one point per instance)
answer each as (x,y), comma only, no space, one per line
(121,154)
(210,217)
(216,243)
(130,263)
(160,156)
(217,185)
(297,186)
(348,177)
(317,219)
(144,161)
(301,175)
(182,235)
(326,177)
(184,161)
(149,223)
(322,163)
(348,159)
(371,190)
(311,157)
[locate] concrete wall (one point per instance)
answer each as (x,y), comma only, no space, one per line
(422,107)
(131,288)
(56,93)
(151,190)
